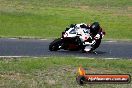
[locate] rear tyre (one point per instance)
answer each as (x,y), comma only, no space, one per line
(54,46)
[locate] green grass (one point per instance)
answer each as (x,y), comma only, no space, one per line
(47,18)
(58,72)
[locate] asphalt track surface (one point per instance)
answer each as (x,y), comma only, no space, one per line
(32,47)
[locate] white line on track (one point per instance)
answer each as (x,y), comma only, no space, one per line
(12,56)
(48,57)
(112,58)
(12,38)
(111,41)
(95,58)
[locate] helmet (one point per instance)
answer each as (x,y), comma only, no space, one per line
(95,27)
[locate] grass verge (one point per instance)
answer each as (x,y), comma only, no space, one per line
(45,19)
(58,72)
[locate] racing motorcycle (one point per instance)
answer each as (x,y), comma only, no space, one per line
(72,42)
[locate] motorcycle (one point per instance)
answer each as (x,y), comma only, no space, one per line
(72,42)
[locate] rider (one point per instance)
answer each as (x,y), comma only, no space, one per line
(96,32)
(88,34)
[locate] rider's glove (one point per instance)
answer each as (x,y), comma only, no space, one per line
(97,36)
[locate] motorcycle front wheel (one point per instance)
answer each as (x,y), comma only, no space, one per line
(54,46)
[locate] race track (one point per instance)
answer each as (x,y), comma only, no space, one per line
(32,47)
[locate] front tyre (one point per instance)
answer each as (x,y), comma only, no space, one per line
(54,46)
